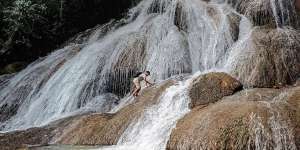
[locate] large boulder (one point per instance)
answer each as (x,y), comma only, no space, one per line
(271,57)
(268,118)
(115,127)
(86,126)
(86,129)
(268,12)
(258,11)
(211,87)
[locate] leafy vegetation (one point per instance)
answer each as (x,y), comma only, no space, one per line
(32,28)
(20,18)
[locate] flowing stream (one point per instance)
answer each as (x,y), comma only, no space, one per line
(157,121)
(166,37)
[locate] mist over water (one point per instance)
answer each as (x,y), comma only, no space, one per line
(166,37)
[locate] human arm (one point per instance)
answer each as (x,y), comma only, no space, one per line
(148,83)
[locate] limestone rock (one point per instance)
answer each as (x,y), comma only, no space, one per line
(110,133)
(294,101)
(261,12)
(211,87)
(271,58)
(235,122)
(86,126)
(86,129)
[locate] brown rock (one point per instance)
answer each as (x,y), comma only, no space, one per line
(211,87)
(297,83)
(110,133)
(294,101)
(271,59)
(260,12)
(232,18)
(86,129)
(234,122)
(45,135)
(20,139)
(234,21)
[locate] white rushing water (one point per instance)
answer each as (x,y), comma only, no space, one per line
(152,130)
(278,135)
(166,37)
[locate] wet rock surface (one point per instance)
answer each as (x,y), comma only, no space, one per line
(228,123)
(129,62)
(211,87)
(86,129)
(222,116)
(4,79)
(46,135)
(271,60)
(235,122)
(110,133)
(261,12)
(294,101)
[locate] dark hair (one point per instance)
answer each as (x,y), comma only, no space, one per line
(137,74)
(148,72)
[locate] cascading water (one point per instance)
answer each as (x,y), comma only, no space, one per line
(156,37)
(166,37)
(279,135)
(157,121)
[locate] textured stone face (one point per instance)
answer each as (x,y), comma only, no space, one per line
(87,129)
(211,87)
(294,101)
(261,12)
(271,60)
(258,11)
(233,122)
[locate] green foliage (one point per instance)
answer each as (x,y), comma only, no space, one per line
(21,17)
(12,68)
(30,29)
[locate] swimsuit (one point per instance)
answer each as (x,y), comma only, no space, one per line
(137,80)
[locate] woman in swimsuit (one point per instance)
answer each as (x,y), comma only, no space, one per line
(137,82)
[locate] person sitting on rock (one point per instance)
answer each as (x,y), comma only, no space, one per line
(138,78)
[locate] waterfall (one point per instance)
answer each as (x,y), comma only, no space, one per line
(166,37)
(157,121)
